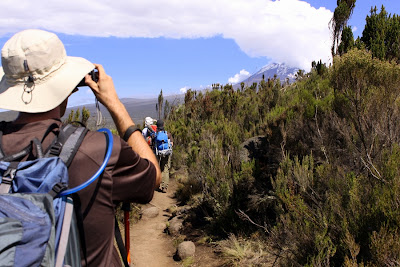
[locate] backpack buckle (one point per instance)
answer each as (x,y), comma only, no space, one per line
(6,183)
(57,188)
(9,174)
(55,149)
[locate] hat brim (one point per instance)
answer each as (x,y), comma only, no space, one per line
(48,94)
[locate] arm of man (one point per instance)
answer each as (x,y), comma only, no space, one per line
(105,92)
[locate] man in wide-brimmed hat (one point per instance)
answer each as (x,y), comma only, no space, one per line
(37,77)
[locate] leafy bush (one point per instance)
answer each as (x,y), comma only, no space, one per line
(323,184)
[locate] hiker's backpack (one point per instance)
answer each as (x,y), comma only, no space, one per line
(37,222)
(150,134)
(162,144)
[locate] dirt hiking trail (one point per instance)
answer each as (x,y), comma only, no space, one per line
(150,245)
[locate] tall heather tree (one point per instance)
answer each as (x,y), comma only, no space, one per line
(160,104)
(381,34)
(341,16)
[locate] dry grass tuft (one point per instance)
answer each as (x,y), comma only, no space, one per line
(239,251)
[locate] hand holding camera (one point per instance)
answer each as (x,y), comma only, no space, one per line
(93,74)
(103,88)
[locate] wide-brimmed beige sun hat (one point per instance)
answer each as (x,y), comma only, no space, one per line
(36,74)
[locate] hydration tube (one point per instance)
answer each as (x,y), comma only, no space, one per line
(109,138)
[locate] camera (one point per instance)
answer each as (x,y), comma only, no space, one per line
(95,77)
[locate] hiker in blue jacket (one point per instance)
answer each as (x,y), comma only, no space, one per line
(37,77)
(163,150)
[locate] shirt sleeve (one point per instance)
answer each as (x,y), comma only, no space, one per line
(133,177)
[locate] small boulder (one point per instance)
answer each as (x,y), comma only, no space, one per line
(175,225)
(151,212)
(185,249)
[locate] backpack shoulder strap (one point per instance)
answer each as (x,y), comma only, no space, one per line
(67,143)
(33,145)
(150,129)
(72,144)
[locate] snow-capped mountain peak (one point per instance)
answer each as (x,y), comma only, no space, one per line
(281,70)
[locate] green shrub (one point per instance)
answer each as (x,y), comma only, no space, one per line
(323,186)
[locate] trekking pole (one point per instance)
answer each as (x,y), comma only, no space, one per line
(126,207)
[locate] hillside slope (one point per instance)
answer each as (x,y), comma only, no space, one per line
(138,109)
(318,183)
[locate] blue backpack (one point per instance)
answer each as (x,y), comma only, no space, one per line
(162,144)
(37,225)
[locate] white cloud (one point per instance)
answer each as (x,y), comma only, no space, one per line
(243,74)
(290,31)
(183,90)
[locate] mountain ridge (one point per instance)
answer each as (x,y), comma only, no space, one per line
(137,108)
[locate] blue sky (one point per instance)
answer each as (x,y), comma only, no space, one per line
(174,45)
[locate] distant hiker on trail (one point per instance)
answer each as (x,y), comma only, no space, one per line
(148,129)
(37,77)
(163,144)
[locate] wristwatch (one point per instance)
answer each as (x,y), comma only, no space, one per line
(130,131)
